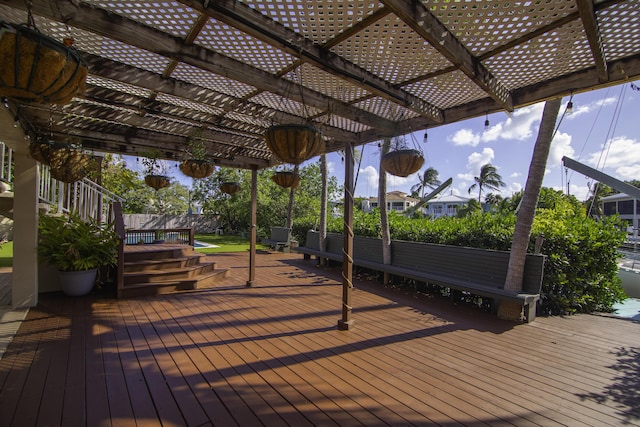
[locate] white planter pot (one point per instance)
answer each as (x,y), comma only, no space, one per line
(77,283)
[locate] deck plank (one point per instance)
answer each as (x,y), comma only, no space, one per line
(272,355)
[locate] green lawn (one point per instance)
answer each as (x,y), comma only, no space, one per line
(6,254)
(226,243)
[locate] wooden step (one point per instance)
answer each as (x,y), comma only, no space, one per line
(200,282)
(149,252)
(163,263)
(168,274)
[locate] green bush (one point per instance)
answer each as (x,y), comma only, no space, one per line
(581,269)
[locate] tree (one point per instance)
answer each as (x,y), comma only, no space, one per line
(273,200)
(429,179)
(524,222)
(489,178)
(472,206)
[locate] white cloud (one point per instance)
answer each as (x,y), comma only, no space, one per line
(515,175)
(465,137)
(622,156)
(581,192)
(560,146)
(511,189)
(395,181)
(331,168)
(368,179)
(582,109)
(518,126)
(476,160)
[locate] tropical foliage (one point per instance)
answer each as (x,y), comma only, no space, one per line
(72,244)
(428,180)
(489,178)
(581,268)
(273,200)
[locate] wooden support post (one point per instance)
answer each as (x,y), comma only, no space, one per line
(253,232)
(346,322)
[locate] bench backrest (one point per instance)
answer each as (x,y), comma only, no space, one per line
(280,234)
(474,265)
(483,266)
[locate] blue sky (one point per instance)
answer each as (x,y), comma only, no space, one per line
(603,132)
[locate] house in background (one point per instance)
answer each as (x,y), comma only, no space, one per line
(396,200)
(445,205)
(624,205)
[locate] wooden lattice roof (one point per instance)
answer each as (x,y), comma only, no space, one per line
(361,70)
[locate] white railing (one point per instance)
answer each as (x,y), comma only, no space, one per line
(6,163)
(85,197)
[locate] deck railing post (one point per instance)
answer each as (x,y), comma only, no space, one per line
(346,322)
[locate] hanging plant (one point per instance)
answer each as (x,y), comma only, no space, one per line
(157,181)
(230,187)
(196,168)
(37,68)
(402,162)
(293,143)
(67,161)
(154,170)
(71,165)
(286,179)
(197,165)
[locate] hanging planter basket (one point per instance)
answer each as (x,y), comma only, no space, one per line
(286,179)
(196,168)
(37,68)
(292,143)
(230,187)
(402,162)
(67,162)
(39,150)
(157,181)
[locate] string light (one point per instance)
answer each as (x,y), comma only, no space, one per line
(487,124)
(5,102)
(426,137)
(569,109)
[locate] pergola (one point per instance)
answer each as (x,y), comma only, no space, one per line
(359,71)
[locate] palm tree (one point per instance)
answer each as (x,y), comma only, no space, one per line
(429,179)
(522,230)
(489,178)
(493,200)
(472,206)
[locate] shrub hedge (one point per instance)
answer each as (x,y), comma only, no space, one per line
(581,269)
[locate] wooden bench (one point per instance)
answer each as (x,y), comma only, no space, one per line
(280,239)
(478,271)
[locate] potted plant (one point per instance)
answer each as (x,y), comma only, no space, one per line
(77,248)
(197,165)
(154,175)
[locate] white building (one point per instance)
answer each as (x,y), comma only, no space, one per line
(445,205)
(627,207)
(396,200)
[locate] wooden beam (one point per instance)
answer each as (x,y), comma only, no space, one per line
(418,17)
(98,21)
(254,23)
(590,24)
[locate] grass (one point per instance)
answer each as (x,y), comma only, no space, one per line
(226,243)
(6,254)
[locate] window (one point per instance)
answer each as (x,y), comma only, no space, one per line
(609,208)
(625,206)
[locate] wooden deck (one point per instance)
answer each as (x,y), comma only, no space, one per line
(271,355)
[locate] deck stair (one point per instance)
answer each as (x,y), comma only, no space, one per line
(161,269)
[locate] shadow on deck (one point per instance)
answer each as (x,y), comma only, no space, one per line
(271,355)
